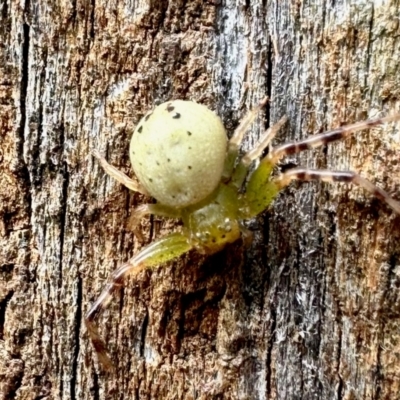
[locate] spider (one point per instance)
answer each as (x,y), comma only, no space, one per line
(182,157)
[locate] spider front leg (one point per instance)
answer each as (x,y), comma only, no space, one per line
(158,252)
(304,174)
(261,189)
(325,138)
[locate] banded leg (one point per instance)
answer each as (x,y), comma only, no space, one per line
(303,174)
(160,251)
(118,175)
(324,138)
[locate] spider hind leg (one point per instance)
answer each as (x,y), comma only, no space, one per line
(237,138)
(119,175)
(242,169)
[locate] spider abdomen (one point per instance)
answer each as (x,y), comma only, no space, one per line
(178,152)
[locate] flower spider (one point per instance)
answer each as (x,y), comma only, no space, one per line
(182,158)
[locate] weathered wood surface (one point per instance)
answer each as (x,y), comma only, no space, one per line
(310,311)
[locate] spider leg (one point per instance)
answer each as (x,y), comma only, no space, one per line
(249,118)
(324,138)
(146,209)
(237,137)
(241,170)
(264,141)
(118,175)
(304,174)
(160,251)
(260,191)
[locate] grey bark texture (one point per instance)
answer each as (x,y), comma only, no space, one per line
(310,310)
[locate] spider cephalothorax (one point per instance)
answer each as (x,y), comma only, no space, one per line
(182,157)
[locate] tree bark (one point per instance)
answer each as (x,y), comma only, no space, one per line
(309,310)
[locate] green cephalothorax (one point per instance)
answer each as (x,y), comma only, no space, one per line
(181,157)
(214,223)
